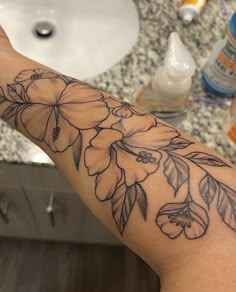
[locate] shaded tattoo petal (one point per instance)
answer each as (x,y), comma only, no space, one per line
(126,110)
(35,118)
(46,91)
(117,104)
(112,102)
(135,168)
(59,133)
(109,121)
(153,139)
(34,74)
(98,155)
(122,112)
(59,106)
(107,181)
(187,217)
(135,124)
(82,93)
(90,114)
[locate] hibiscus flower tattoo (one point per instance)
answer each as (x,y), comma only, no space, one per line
(126,146)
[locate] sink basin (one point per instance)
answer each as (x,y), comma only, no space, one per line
(81,38)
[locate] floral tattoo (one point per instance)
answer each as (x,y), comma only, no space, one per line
(125,147)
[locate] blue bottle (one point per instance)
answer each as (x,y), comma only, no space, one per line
(219,75)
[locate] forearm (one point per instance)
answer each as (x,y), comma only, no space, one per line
(149,183)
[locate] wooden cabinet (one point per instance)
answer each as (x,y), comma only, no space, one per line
(62,216)
(42,205)
(16,217)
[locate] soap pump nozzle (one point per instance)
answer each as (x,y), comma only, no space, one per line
(178,61)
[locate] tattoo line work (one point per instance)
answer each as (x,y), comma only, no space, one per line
(126,147)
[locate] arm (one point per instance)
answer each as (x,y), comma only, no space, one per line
(166,196)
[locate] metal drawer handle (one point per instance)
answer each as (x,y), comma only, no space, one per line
(50,209)
(4,208)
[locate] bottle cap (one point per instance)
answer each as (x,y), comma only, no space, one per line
(178,61)
(187,17)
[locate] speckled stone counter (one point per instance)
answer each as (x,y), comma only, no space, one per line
(157,19)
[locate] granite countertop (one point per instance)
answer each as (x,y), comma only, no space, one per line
(157,19)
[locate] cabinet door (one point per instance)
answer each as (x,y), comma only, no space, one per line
(61,215)
(16,218)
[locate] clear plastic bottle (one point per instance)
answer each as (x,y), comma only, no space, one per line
(219,75)
(169,91)
(170,86)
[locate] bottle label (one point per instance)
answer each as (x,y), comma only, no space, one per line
(200,4)
(221,74)
(232,133)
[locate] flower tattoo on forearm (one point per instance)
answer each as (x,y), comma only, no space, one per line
(126,146)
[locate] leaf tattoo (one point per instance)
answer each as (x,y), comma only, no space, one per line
(208,189)
(142,200)
(2,96)
(177,143)
(77,148)
(204,158)
(16,91)
(176,172)
(123,202)
(226,205)
(10,111)
(121,146)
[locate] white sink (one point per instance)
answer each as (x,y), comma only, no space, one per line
(88,36)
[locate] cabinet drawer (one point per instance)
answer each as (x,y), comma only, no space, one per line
(16,218)
(61,215)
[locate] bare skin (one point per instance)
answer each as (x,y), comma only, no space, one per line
(166,196)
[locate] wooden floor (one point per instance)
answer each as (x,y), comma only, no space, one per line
(32,266)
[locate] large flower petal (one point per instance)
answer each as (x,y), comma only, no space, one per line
(107,181)
(196,230)
(24,75)
(199,222)
(46,91)
(153,139)
(112,102)
(80,93)
(45,73)
(67,134)
(134,170)
(84,115)
(109,121)
(97,156)
(35,120)
(27,74)
(172,208)
(135,124)
(169,228)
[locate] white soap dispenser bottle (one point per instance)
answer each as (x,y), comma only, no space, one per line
(172,82)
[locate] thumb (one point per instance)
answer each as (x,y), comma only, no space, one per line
(4,40)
